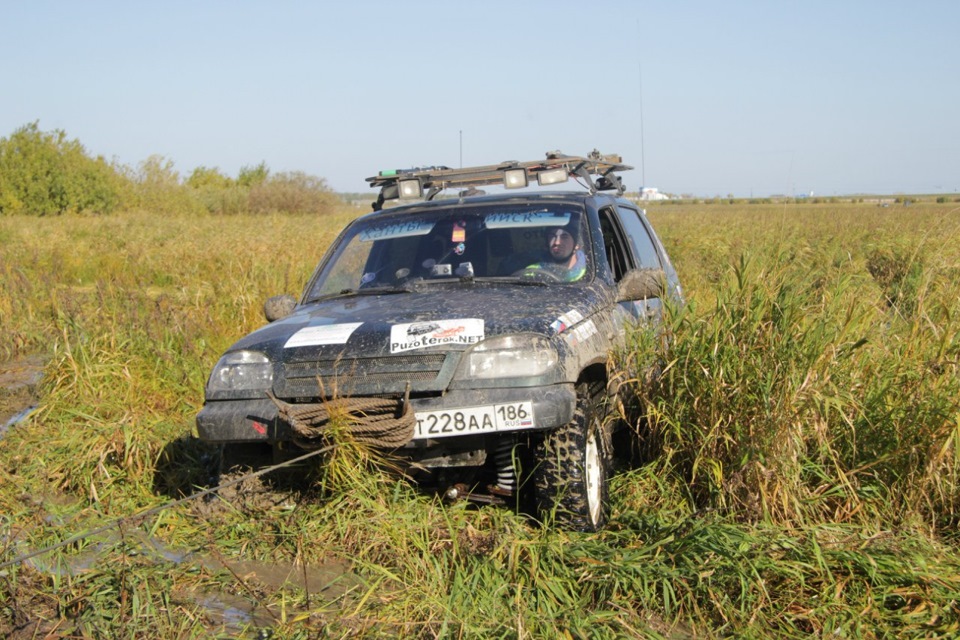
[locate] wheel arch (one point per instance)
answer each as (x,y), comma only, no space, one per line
(596,372)
(595,377)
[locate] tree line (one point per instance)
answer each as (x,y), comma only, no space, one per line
(46,173)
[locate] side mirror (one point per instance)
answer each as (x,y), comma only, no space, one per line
(278,307)
(641,284)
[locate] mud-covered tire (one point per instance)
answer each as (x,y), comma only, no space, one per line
(572,465)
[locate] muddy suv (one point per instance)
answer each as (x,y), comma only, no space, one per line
(468,334)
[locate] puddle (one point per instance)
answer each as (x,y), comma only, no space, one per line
(322,584)
(18,383)
(17,417)
(232,612)
(24,372)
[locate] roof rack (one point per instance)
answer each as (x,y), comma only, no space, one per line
(557,167)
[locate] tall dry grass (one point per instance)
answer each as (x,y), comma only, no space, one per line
(815,378)
(805,430)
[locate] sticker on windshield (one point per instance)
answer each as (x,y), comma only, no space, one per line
(566,321)
(420,335)
(396,230)
(324,334)
(505,219)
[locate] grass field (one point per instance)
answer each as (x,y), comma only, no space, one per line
(802,472)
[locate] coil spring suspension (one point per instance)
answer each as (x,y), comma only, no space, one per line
(506,472)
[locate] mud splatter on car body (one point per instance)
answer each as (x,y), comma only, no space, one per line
(484,318)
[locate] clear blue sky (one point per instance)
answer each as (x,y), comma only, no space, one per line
(748,98)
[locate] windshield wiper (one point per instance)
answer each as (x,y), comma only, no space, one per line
(374,291)
(525,282)
(377,291)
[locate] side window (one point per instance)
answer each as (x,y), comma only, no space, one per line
(614,245)
(643,247)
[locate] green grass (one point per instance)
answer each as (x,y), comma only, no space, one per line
(801,475)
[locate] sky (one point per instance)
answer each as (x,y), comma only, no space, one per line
(704,98)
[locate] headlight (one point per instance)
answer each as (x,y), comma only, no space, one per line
(518,356)
(242,371)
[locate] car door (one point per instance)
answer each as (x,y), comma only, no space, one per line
(629,245)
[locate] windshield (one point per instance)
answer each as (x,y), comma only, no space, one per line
(537,243)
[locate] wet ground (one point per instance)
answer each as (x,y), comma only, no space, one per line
(246,604)
(18,386)
(230,612)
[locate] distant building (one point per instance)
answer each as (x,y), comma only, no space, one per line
(652,193)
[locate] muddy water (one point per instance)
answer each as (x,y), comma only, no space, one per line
(18,383)
(322,584)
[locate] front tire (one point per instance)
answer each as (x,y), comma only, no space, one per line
(572,465)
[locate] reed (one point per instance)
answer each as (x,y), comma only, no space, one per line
(799,473)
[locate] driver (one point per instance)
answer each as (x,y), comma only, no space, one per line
(564,257)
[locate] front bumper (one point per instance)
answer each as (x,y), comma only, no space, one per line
(257,420)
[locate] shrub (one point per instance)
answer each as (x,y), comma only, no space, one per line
(293,192)
(204,177)
(251,176)
(44,173)
(216,192)
(157,188)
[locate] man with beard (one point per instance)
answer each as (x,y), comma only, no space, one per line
(565,261)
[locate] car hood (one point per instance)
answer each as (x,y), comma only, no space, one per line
(438,319)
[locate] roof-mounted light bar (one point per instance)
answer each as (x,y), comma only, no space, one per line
(556,168)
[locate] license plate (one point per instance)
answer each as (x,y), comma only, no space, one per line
(472,420)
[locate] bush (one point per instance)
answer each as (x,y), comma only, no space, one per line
(294,192)
(252,176)
(157,188)
(255,190)
(44,173)
(206,178)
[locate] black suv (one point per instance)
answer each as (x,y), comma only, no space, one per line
(468,334)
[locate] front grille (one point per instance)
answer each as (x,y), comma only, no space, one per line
(361,376)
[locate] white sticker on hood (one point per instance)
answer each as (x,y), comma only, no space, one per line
(323,334)
(566,321)
(581,333)
(420,335)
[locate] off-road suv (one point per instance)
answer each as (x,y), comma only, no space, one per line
(468,334)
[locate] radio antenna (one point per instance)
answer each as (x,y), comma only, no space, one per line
(643,163)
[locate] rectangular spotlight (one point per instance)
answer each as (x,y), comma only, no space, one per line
(552,176)
(410,188)
(515,178)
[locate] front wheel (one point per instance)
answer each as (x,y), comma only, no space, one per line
(571,467)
